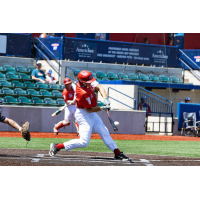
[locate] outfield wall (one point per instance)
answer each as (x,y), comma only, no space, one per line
(131,122)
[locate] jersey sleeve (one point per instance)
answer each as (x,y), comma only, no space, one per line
(94,84)
(33,73)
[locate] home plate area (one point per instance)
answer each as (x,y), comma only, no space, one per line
(27,157)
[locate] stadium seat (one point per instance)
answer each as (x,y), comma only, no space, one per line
(5,83)
(57,93)
(18,84)
(38,102)
(97,79)
(93,74)
(25,101)
(125,77)
(60,102)
(8,68)
(105,79)
(21,92)
(25,77)
(30,85)
(7,91)
(62,87)
(133,77)
(54,86)
(75,73)
(2,76)
(12,76)
(34,93)
(41,85)
(46,94)
(113,76)
(20,69)
(174,79)
(12,100)
(30,69)
(143,77)
(50,102)
(2,70)
(163,78)
(3,101)
(153,78)
(101,75)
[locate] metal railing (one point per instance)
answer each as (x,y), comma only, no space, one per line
(134,100)
(156,102)
(189,59)
(197,76)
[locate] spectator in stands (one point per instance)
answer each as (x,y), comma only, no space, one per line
(171,41)
(51,35)
(187,100)
(50,77)
(43,35)
(38,75)
(143,105)
(146,41)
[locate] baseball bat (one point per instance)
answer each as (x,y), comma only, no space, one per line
(111,122)
(59,110)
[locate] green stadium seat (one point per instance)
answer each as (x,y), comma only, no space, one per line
(60,102)
(41,85)
(12,76)
(3,101)
(50,102)
(46,94)
(5,83)
(21,92)
(133,77)
(62,87)
(125,77)
(110,73)
(30,85)
(12,100)
(25,77)
(18,84)
(30,69)
(163,78)
(20,69)
(38,102)
(75,73)
(93,74)
(2,70)
(54,86)
(113,76)
(153,78)
(174,79)
(57,93)
(2,76)
(7,91)
(9,68)
(25,101)
(97,79)
(143,77)
(34,93)
(101,75)
(105,79)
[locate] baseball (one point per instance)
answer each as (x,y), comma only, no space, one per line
(116,123)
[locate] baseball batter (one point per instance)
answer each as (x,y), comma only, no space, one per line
(69,98)
(86,103)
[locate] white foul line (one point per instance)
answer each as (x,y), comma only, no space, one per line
(37,159)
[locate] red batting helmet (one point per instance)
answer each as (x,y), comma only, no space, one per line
(67,81)
(85,77)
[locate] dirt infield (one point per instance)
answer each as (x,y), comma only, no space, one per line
(96,136)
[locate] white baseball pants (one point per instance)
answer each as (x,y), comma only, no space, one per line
(88,122)
(69,111)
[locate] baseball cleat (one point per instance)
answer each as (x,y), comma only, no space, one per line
(55,130)
(53,150)
(121,156)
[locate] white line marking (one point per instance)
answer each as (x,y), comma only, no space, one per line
(40,155)
(35,160)
(147,163)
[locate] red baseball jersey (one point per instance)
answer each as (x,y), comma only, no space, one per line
(68,94)
(85,97)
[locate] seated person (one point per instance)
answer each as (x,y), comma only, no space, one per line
(50,77)
(187,100)
(38,75)
(143,105)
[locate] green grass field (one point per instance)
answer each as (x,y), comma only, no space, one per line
(153,147)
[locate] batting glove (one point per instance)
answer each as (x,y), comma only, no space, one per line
(106,101)
(105,108)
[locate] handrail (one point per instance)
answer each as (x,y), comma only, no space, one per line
(75,80)
(190,68)
(155,94)
(124,95)
(47,59)
(153,98)
(71,69)
(46,48)
(189,58)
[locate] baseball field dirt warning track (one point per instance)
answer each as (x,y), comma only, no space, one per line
(31,157)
